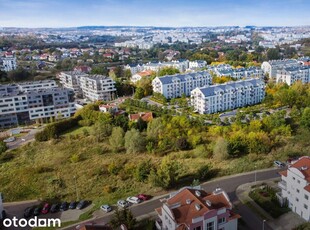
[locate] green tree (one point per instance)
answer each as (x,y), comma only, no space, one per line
(273,54)
(3,147)
(101,130)
(134,141)
(305,118)
(220,151)
(143,170)
(139,93)
(117,138)
(123,216)
(168,71)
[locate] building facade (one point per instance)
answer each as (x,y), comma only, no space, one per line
(173,86)
(90,87)
(290,75)
(19,107)
(295,187)
(8,64)
(271,67)
(227,96)
(195,209)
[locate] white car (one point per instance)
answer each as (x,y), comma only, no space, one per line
(122,203)
(106,208)
(133,199)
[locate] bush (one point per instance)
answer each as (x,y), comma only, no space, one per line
(3,147)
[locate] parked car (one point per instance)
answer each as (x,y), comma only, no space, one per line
(279,164)
(143,197)
(37,211)
(29,212)
(55,208)
(122,203)
(63,206)
(134,200)
(82,204)
(72,205)
(45,208)
(106,208)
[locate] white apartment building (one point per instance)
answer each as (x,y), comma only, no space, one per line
(71,80)
(289,75)
(173,86)
(36,85)
(227,96)
(295,187)
(8,64)
(196,209)
(197,64)
(97,87)
(271,67)
(91,87)
(134,68)
(18,107)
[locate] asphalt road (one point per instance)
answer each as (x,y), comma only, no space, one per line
(229,184)
(22,140)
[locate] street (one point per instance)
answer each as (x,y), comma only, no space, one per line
(25,139)
(229,184)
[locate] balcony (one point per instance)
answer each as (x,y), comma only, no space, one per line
(282,185)
(158,224)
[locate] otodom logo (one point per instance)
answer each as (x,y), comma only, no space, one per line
(33,222)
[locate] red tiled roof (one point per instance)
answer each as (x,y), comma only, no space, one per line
(283,173)
(145,73)
(307,188)
(144,116)
(303,165)
(186,212)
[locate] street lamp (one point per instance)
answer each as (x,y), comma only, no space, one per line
(264,224)
(255,175)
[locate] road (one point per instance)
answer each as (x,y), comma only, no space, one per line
(229,184)
(25,139)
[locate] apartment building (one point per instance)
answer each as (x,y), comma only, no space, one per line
(97,87)
(289,75)
(70,80)
(197,64)
(19,107)
(227,96)
(196,209)
(173,86)
(8,64)
(91,87)
(295,187)
(36,85)
(271,67)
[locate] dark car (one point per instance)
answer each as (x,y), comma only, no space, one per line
(82,204)
(72,205)
(29,212)
(63,206)
(55,208)
(46,208)
(37,211)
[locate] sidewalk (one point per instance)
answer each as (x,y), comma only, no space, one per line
(286,221)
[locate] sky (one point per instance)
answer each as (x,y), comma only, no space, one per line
(174,13)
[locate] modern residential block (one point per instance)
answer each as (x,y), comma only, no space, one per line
(8,64)
(227,96)
(271,67)
(196,209)
(289,75)
(172,86)
(295,187)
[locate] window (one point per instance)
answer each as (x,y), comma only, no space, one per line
(210,226)
(306,197)
(197,228)
(297,199)
(293,178)
(305,206)
(297,190)
(221,220)
(298,181)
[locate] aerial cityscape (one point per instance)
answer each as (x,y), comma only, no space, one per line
(155,115)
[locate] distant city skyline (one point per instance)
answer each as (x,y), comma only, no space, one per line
(73,13)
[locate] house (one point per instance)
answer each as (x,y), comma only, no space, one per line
(295,187)
(84,69)
(113,108)
(138,76)
(196,209)
(144,116)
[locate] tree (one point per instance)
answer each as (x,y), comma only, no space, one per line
(168,71)
(220,151)
(139,93)
(143,170)
(273,54)
(134,141)
(155,128)
(3,147)
(305,118)
(101,130)
(117,138)
(123,216)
